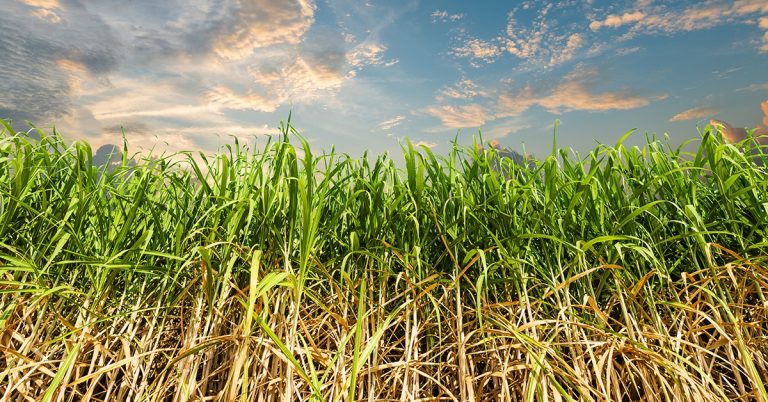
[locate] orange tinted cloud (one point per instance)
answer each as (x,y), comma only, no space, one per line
(366,54)
(478,50)
(472,115)
(702,15)
(45,9)
(574,92)
(302,80)
(541,44)
(575,42)
(694,113)
(464,89)
(615,21)
(261,23)
(737,134)
(764,106)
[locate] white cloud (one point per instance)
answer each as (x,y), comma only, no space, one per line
(755,87)
(366,54)
(229,99)
(464,89)
(391,123)
(541,44)
(444,16)
(627,50)
(422,143)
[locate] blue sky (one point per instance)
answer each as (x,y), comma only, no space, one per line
(364,75)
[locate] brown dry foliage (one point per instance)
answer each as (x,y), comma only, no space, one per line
(703,338)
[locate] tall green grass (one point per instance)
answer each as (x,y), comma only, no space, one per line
(633,273)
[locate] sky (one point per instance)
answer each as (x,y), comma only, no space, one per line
(357,75)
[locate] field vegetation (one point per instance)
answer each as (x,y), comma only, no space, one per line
(274,274)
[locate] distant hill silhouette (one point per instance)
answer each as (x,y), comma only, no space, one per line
(506,153)
(108,154)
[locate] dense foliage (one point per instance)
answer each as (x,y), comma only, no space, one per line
(631,273)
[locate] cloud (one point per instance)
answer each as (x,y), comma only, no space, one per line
(763,24)
(46,10)
(615,21)
(303,81)
(250,100)
(368,54)
(262,23)
(575,41)
(477,50)
(175,65)
(694,114)
(391,123)
(764,107)
(471,115)
(422,143)
(737,134)
(648,19)
(464,89)
(444,16)
(574,92)
(627,50)
(541,44)
(526,43)
(764,47)
(577,91)
(755,87)
(37,60)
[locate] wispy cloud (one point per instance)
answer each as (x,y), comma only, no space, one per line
(542,44)
(464,89)
(42,63)
(368,54)
(575,92)
(180,62)
(423,143)
(478,50)
(615,21)
(445,16)
(755,87)
(463,116)
(694,114)
(46,10)
(574,43)
(391,123)
(262,23)
(627,50)
(648,19)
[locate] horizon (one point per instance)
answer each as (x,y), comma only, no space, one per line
(363,76)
